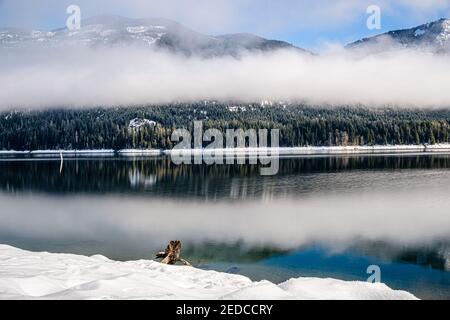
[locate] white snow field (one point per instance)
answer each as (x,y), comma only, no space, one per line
(42,275)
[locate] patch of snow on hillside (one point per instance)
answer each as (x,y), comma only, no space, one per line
(237,108)
(419,32)
(138,29)
(148,39)
(444,36)
(140,122)
(36,33)
(142,29)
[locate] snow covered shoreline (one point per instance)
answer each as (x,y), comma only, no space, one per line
(42,275)
(288,151)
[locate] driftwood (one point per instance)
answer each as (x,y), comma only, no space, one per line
(172,254)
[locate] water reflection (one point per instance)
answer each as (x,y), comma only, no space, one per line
(388,208)
(158,177)
(126,224)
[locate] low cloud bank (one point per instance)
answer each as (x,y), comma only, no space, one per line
(398,218)
(84,77)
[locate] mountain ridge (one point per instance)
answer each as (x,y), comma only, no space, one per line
(162,33)
(433,36)
(159,33)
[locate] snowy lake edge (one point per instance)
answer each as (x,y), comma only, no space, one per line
(42,275)
(282,151)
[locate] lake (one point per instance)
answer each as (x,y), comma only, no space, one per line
(327,216)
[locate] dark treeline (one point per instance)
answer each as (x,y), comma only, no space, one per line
(299,125)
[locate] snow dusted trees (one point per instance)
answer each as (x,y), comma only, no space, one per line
(300,125)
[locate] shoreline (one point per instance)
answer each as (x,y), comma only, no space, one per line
(43,275)
(282,151)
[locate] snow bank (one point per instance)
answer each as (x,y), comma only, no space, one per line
(92,152)
(57,153)
(282,151)
(139,152)
(42,275)
(314,150)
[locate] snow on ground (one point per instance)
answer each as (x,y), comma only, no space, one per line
(309,151)
(136,123)
(38,153)
(282,151)
(42,275)
(139,152)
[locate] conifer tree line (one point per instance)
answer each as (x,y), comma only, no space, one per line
(300,125)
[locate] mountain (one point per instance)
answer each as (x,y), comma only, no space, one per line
(157,33)
(165,34)
(432,36)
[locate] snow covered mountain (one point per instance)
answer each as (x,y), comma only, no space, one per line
(159,33)
(432,36)
(154,32)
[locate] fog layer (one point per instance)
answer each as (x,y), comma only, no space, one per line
(82,77)
(398,218)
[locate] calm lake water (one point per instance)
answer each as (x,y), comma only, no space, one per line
(319,216)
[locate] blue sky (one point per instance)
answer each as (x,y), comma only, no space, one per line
(313,24)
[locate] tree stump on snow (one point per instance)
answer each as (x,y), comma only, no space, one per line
(172,254)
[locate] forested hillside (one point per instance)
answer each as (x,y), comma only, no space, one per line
(300,125)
